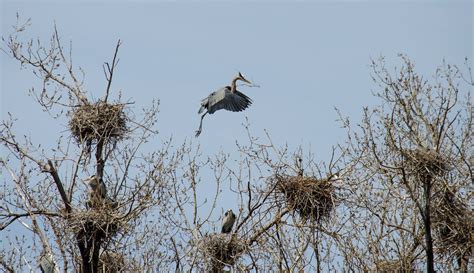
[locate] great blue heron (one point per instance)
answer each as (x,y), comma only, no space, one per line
(228,221)
(97,192)
(228,98)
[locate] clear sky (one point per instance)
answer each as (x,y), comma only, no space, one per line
(307,57)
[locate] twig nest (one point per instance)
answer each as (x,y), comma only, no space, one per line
(111,262)
(313,199)
(403,265)
(92,122)
(105,222)
(453,223)
(221,250)
(426,161)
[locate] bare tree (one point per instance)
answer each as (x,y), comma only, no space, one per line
(106,139)
(409,151)
(99,201)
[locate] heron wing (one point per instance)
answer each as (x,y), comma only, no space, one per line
(228,223)
(102,189)
(234,102)
(241,101)
(212,101)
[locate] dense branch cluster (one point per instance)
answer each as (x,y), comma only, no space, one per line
(454,225)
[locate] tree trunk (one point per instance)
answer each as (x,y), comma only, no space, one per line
(427,223)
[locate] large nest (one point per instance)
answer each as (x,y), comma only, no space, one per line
(221,250)
(100,121)
(426,162)
(453,223)
(103,223)
(313,199)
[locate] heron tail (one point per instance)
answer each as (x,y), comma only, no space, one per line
(204,104)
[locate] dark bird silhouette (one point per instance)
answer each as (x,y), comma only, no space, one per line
(228,98)
(98,194)
(228,221)
(97,191)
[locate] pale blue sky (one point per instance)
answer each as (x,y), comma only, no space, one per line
(308,57)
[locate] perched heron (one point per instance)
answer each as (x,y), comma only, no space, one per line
(97,192)
(228,221)
(228,98)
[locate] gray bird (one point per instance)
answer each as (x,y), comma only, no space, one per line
(228,98)
(228,221)
(97,192)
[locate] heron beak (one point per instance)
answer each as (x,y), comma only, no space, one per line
(241,77)
(245,80)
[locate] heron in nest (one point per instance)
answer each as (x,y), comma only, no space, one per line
(97,191)
(228,221)
(98,194)
(228,98)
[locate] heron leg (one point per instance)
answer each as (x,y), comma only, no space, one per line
(198,132)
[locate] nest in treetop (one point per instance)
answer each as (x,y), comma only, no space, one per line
(221,250)
(104,223)
(92,122)
(453,223)
(313,199)
(426,162)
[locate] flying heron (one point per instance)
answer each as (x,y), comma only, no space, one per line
(228,98)
(228,221)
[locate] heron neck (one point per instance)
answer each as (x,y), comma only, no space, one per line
(233,85)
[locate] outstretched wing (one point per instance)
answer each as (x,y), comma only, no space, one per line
(227,100)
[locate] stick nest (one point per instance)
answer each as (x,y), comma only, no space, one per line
(403,265)
(426,162)
(104,222)
(453,223)
(313,199)
(221,250)
(90,123)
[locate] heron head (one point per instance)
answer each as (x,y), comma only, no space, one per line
(229,212)
(242,78)
(92,181)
